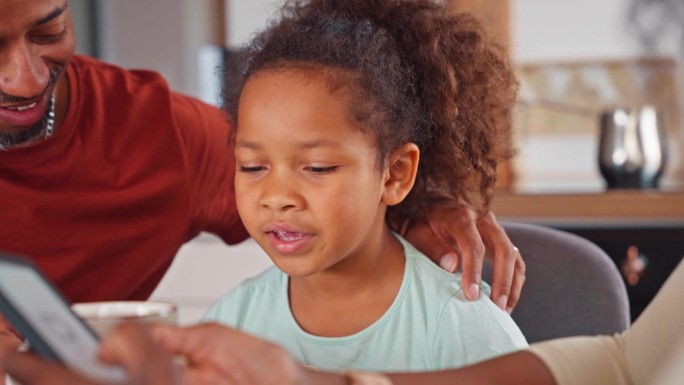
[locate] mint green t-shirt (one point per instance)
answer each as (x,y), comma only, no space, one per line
(429,326)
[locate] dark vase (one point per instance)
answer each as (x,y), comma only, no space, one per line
(632,147)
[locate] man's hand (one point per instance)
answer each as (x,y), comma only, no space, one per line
(9,343)
(215,355)
(131,346)
(29,369)
(456,237)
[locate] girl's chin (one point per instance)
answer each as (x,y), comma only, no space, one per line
(296,269)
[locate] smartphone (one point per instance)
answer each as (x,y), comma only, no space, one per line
(42,314)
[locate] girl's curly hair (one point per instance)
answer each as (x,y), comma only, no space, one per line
(417,72)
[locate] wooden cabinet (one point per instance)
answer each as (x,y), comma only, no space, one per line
(656,250)
(642,231)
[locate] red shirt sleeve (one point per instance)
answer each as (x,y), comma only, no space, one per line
(203,131)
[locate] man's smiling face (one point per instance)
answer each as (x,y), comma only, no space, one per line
(36,44)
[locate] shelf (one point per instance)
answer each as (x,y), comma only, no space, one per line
(647,208)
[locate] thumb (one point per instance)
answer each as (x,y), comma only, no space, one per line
(9,344)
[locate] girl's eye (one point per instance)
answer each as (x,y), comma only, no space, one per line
(252,169)
(321,170)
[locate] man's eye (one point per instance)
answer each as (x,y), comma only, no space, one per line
(250,169)
(47,39)
(321,170)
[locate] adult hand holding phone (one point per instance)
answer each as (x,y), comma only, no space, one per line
(216,355)
(130,346)
(41,313)
(9,343)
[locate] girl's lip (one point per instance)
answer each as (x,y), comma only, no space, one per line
(289,242)
(287,238)
(27,117)
(284,227)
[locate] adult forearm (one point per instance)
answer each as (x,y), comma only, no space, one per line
(516,368)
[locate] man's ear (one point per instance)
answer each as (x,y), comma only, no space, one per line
(400,174)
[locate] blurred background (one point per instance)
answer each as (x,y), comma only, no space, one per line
(574,59)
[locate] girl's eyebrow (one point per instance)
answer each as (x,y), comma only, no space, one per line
(52,15)
(306,145)
(318,143)
(247,144)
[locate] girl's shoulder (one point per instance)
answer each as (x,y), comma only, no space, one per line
(438,283)
(429,272)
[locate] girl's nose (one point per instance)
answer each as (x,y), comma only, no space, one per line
(280,192)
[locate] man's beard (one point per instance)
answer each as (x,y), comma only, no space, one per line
(9,140)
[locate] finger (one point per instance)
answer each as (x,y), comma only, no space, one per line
(184,341)
(208,344)
(129,344)
(462,230)
(9,342)
(472,257)
(132,346)
(28,369)
(518,283)
(434,247)
(503,275)
(6,328)
(503,255)
(216,354)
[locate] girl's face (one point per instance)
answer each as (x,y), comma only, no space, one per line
(308,187)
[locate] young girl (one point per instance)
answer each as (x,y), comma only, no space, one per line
(340,101)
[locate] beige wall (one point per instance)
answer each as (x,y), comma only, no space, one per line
(164,35)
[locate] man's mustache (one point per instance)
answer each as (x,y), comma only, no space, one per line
(54,75)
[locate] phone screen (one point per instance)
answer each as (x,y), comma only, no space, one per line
(34,306)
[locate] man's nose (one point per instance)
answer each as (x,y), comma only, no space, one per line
(22,74)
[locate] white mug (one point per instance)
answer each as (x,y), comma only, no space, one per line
(102,317)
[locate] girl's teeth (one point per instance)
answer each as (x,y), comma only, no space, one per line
(22,108)
(287,236)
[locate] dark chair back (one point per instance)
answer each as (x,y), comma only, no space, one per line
(572,287)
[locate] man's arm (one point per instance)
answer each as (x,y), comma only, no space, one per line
(204,132)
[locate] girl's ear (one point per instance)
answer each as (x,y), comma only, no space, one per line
(402,166)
